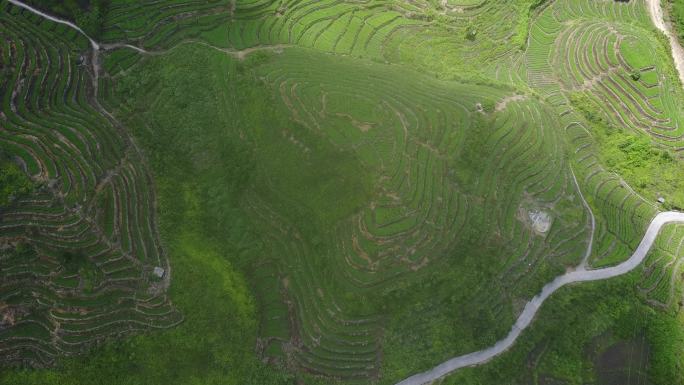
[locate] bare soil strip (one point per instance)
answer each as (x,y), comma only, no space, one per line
(656,12)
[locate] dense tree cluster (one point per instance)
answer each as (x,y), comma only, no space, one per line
(13,182)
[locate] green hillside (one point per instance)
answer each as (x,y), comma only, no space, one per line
(336,192)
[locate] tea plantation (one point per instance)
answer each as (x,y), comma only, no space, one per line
(336,192)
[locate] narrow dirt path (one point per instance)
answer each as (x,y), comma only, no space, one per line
(656,12)
(96,46)
(592,221)
(238,54)
(93,43)
(115,122)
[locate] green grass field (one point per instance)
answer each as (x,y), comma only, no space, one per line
(337,192)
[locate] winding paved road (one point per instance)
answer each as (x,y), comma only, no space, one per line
(580,274)
(526,317)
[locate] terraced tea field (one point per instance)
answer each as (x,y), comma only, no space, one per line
(78,252)
(347,192)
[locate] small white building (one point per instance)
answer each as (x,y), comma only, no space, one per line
(541,221)
(158,272)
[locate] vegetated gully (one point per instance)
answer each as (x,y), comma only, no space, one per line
(580,274)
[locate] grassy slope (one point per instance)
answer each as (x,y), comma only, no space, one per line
(205,158)
(210,293)
(677,16)
(584,312)
(182,162)
(210,242)
(215,343)
(243,141)
(651,170)
(202,168)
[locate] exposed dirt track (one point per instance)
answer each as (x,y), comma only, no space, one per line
(93,43)
(656,12)
(238,54)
